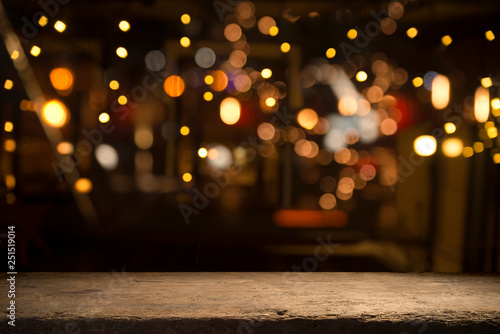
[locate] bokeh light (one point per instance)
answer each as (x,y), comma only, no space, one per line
(307,118)
(452,147)
(230,110)
(54,113)
(106,156)
(482,104)
(440,92)
(174,86)
(61,79)
(83,185)
(60,26)
(425,145)
(327,201)
(202,152)
(104,117)
(124,26)
(204,57)
(285,47)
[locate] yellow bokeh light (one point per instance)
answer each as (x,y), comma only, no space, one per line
(54,113)
(122,100)
(352,34)
(61,79)
(122,52)
(486,82)
(425,145)
(468,152)
(185,19)
(446,40)
(478,147)
(307,118)
(452,147)
(43,20)
(8,127)
(230,110)
(35,51)
(185,42)
(270,102)
(209,79)
(482,104)
(496,158)
(492,132)
(124,25)
(174,86)
(330,53)
(14,55)
(417,81)
(450,128)
(273,31)
(208,96)
(202,152)
(10,181)
(8,84)
(60,26)
(114,85)
(412,32)
(361,76)
(104,117)
(187,177)
(495,103)
(285,47)
(489,35)
(184,130)
(9,145)
(266,73)
(83,185)
(440,94)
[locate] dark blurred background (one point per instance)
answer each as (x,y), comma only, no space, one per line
(251,136)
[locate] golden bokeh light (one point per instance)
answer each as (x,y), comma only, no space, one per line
(14,55)
(9,145)
(486,82)
(60,26)
(495,103)
(352,34)
(361,76)
(143,138)
(468,152)
(496,158)
(425,145)
(348,105)
(65,148)
(327,201)
(208,96)
(8,84)
(121,52)
(185,18)
(35,51)
(265,24)
(492,132)
(104,117)
(489,35)
(230,110)
(122,100)
(270,102)
(478,147)
(417,81)
(114,85)
(285,47)
(330,53)
(54,113)
(10,181)
(187,177)
(450,128)
(452,147)
(209,79)
(61,79)
(307,118)
(446,40)
(482,104)
(83,185)
(185,42)
(412,32)
(220,81)
(202,152)
(174,86)
(8,127)
(184,130)
(266,73)
(273,31)
(43,20)
(124,26)
(440,94)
